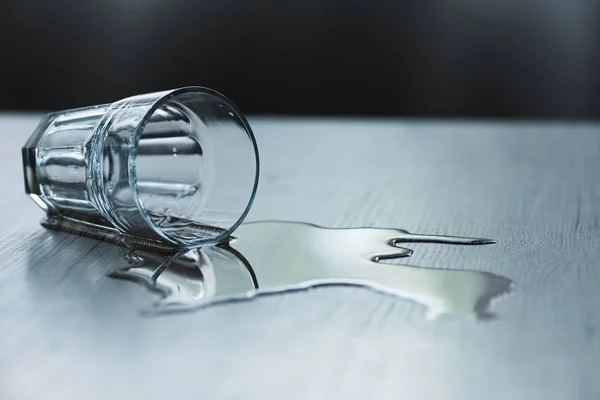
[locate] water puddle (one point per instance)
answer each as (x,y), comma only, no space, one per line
(275,257)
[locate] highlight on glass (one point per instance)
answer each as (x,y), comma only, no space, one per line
(179,166)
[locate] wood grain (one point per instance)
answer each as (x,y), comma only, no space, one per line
(68,332)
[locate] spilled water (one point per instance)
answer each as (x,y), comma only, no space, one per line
(274,257)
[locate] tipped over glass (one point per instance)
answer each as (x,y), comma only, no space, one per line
(179,166)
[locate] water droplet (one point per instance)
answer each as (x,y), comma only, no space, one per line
(133,258)
(188,190)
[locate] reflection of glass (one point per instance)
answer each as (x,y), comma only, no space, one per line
(191,277)
(179,166)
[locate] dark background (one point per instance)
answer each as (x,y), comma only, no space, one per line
(518,59)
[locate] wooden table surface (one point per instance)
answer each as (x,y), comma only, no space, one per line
(69,332)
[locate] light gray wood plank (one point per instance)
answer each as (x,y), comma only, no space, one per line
(69,332)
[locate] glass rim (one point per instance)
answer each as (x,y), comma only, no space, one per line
(169,95)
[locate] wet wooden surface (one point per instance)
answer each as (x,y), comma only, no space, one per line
(69,332)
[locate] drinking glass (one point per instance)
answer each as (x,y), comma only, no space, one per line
(180,166)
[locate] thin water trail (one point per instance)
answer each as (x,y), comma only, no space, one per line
(274,257)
